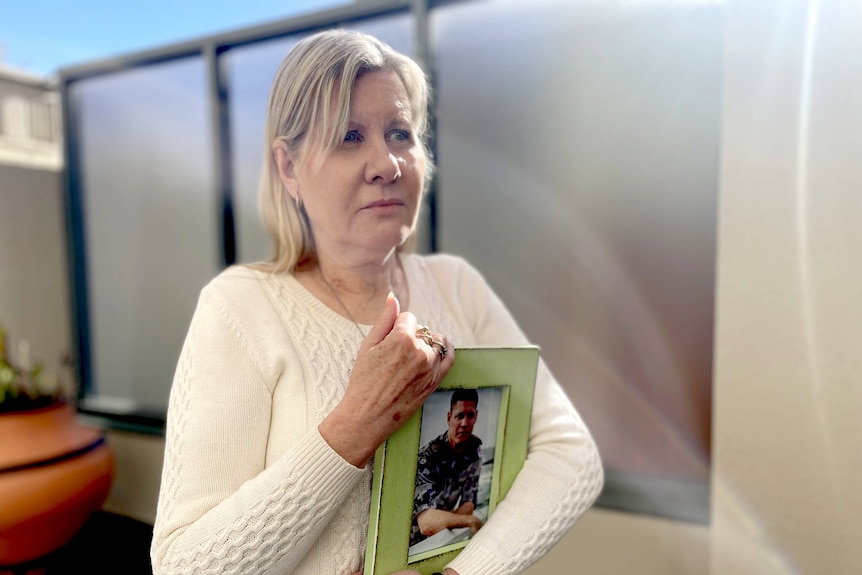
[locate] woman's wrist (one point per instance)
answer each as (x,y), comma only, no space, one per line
(346,441)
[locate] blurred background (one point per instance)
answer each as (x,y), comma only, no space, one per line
(663,193)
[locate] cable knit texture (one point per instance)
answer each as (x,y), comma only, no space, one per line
(250,487)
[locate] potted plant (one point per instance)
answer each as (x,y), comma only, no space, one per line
(24,386)
(54,471)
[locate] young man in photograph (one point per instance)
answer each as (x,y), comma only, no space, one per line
(447,477)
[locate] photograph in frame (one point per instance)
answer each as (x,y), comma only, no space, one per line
(455,469)
(470,475)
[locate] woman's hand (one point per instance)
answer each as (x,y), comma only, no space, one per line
(394,374)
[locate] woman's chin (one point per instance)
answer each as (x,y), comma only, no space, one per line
(379,239)
(394,240)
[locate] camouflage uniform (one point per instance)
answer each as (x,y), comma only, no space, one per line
(445,479)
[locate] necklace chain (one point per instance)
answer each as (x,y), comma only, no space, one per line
(341,303)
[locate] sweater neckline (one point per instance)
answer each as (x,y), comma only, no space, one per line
(417,295)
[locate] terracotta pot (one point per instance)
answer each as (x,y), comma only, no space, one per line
(54,472)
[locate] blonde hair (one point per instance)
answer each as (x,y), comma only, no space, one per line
(308,109)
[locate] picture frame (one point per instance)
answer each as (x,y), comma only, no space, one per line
(504,379)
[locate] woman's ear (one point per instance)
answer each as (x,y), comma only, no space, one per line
(286,168)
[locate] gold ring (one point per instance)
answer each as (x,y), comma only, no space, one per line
(441,349)
(424,333)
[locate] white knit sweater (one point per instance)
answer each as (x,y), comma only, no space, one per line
(249,486)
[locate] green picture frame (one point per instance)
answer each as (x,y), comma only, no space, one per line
(511,370)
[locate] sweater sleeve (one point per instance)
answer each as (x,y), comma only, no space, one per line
(220,509)
(562,475)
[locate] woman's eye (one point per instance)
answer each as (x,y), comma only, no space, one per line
(399,135)
(352,136)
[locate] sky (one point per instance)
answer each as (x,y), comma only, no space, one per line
(42,36)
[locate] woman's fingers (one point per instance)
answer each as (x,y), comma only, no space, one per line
(384,323)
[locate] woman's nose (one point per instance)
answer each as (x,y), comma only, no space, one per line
(381,166)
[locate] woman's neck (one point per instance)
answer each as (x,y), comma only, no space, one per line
(357,291)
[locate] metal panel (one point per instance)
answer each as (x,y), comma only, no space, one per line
(578,169)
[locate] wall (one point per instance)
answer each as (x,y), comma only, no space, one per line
(34,291)
(137,474)
(606,542)
(788,363)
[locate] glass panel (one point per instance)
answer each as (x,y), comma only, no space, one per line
(578,168)
(249,71)
(150,215)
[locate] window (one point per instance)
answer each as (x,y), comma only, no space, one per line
(16,116)
(149,215)
(41,125)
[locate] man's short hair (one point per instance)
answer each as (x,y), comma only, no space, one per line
(464,395)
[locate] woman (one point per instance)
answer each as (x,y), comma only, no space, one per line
(295,371)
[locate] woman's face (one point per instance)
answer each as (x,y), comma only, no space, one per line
(362,198)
